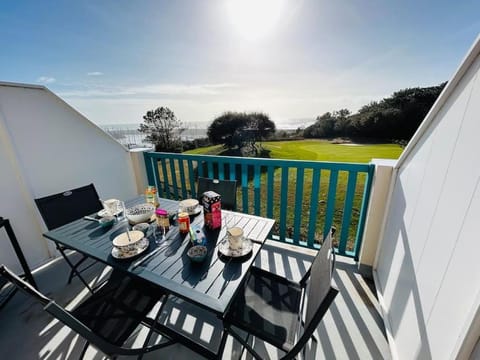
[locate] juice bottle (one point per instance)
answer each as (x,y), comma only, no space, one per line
(151,195)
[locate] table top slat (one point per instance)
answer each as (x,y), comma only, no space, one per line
(210,284)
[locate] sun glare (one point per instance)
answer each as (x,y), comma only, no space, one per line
(254,19)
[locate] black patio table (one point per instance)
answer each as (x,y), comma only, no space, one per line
(211,284)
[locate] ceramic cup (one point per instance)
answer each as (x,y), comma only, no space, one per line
(111,206)
(188,205)
(130,242)
(235,237)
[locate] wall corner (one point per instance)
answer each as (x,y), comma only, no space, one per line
(139,169)
(377,208)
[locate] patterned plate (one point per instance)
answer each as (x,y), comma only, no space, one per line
(142,246)
(225,249)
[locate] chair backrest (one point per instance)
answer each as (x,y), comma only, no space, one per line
(62,208)
(321,292)
(57,311)
(22,285)
(306,276)
(226,188)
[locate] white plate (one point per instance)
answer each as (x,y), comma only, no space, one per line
(142,246)
(225,249)
(104,212)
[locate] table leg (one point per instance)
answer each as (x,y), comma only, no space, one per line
(74,269)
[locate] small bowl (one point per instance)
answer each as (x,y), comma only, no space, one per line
(143,227)
(124,243)
(197,253)
(106,221)
(140,213)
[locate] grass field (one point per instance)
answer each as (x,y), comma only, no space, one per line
(209,150)
(319,150)
(322,150)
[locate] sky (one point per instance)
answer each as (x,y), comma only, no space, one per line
(113,60)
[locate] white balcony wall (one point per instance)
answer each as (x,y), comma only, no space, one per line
(428,271)
(48,147)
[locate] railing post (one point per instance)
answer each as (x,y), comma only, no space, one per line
(140,171)
(377,209)
(301,214)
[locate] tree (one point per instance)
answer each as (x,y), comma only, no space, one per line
(323,127)
(259,127)
(341,126)
(163,129)
(240,130)
(394,118)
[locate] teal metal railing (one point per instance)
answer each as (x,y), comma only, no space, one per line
(306,198)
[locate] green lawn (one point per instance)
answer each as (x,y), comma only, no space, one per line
(322,150)
(209,150)
(319,150)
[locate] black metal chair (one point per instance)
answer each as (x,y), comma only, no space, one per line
(226,188)
(270,307)
(4,298)
(62,208)
(107,318)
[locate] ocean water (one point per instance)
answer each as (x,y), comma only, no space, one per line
(128,134)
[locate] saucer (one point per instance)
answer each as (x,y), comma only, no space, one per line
(197,210)
(225,249)
(121,254)
(104,213)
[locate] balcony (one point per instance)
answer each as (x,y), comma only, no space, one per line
(352,328)
(411,225)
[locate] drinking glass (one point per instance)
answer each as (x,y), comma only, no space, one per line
(121,211)
(159,234)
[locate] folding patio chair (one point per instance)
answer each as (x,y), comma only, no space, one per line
(226,188)
(62,208)
(109,317)
(270,307)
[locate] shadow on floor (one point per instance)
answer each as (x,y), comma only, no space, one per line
(351,329)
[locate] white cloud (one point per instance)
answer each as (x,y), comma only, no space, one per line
(95,73)
(46,79)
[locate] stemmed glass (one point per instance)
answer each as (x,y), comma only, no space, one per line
(122,217)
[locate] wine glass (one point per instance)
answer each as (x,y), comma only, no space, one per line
(122,217)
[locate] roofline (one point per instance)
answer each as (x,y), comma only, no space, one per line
(27,86)
(44,88)
(86,119)
(441,100)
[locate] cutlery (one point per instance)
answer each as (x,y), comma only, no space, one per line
(104,222)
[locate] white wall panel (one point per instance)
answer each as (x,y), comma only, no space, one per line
(60,149)
(56,149)
(427,269)
(14,205)
(459,285)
